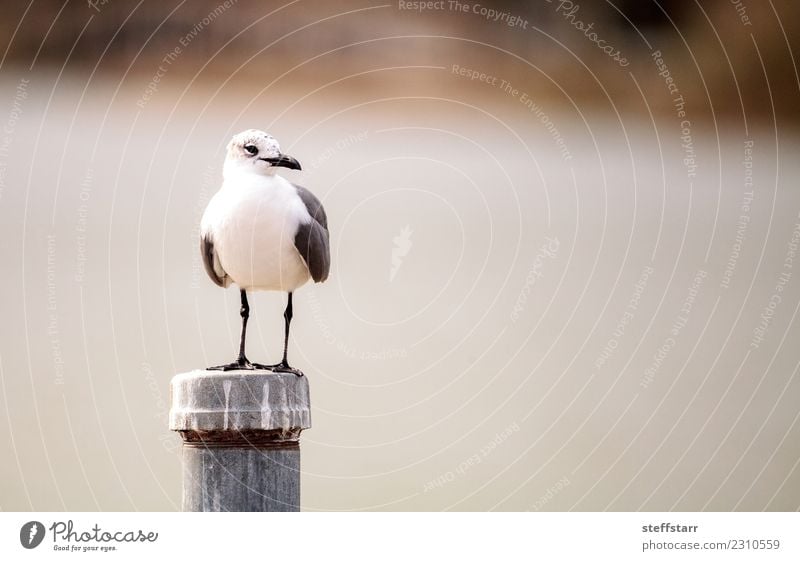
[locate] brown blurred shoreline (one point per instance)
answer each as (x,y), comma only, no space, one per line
(549,59)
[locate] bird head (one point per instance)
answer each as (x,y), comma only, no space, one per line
(258,152)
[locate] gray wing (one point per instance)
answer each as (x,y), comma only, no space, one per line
(311,239)
(211,261)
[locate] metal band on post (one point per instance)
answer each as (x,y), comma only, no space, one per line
(241,432)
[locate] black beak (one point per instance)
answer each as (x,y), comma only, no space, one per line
(284,161)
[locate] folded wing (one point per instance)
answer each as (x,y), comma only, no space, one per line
(311,239)
(211,261)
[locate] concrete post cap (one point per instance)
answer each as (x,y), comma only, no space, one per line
(208,404)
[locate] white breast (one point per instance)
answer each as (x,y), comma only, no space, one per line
(252,221)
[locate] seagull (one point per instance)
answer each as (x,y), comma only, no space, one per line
(262,232)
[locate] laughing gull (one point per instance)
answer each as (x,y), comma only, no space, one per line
(262,232)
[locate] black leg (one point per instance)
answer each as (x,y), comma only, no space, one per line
(241,362)
(283,366)
(287,318)
(245,313)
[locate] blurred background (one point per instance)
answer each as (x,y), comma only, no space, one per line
(565,270)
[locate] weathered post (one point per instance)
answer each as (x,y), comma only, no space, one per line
(241,438)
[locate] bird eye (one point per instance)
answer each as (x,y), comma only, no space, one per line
(252,150)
